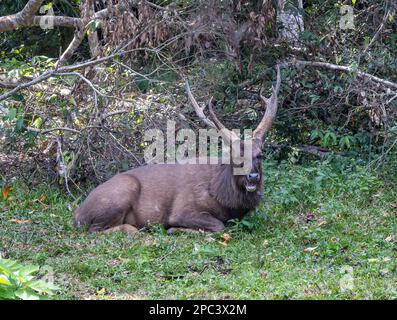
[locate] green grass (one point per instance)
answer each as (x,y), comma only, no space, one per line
(314,221)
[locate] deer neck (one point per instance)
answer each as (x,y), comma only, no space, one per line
(224,189)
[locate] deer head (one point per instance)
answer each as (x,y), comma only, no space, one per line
(251,181)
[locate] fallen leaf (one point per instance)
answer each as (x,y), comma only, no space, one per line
(6,192)
(226,237)
(101,291)
(265,242)
(322,223)
(18,221)
(310,249)
(222,243)
(389,238)
(42,198)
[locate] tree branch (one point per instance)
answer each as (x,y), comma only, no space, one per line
(331,66)
(22,18)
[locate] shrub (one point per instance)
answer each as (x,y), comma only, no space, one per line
(17,282)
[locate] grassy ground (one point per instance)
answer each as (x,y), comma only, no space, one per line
(323,231)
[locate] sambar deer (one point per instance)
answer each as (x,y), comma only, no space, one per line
(186,197)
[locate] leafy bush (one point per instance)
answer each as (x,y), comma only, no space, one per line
(17,282)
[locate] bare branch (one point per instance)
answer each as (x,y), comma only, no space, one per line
(380,29)
(331,66)
(22,18)
(296,62)
(52,129)
(25,85)
(59,21)
(74,44)
(27,18)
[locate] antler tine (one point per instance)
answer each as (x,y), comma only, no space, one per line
(229,133)
(199,110)
(271,109)
(216,124)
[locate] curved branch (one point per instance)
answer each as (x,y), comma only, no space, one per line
(22,18)
(331,66)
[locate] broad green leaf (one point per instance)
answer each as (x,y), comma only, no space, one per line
(12,113)
(19,124)
(4,280)
(27,294)
(27,270)
(6,293)
(42,286)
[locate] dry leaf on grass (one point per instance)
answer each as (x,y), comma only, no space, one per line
(225,239)
(19,221)
(6,192)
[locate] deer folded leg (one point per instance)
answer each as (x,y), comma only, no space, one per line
(184,230)
(109,205)
(196,221)
(126,228)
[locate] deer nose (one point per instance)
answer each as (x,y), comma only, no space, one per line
(253,176)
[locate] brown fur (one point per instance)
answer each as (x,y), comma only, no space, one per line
(193,196)
(182,197)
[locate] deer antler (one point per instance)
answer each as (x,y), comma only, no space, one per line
(271,109)
(216,124)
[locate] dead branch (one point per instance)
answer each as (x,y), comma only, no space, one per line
(331,66)
(320,64)
(27,18)
(314,150)
(380,29)
(23,18)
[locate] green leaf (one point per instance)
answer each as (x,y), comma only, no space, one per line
(6,293)
(4,281)
(12,113)
(37,123)
(42,286)
(27,270)
(314,98)
(27,294)
(20,124)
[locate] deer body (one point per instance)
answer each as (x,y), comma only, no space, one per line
(201,196)
(182,196)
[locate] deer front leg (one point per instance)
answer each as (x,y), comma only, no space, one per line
(184,230)
(126,228)
(194,222)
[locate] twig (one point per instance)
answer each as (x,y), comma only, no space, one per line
(319,64)
(342,68)
(52,130)
(380,29)
(315,150)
